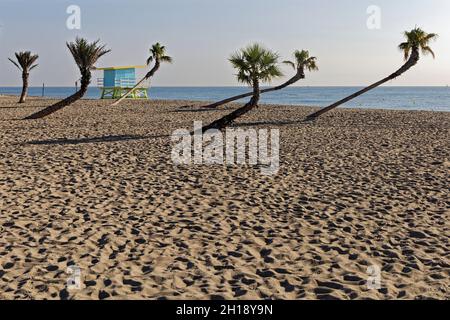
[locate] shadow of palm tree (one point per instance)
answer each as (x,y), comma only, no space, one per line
(269,123)
(21,107)
(194,110)
(118,138)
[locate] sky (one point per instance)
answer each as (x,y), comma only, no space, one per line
(201,35)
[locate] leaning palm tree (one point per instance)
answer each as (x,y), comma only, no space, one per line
(416,40)
(303,61)
(86,55)
(25,63)
(158,55)
(255,64)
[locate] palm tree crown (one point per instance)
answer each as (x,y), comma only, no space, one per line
(25,61)
(303,60)
(158,52)
(86,54)
(417,39)
(256,63)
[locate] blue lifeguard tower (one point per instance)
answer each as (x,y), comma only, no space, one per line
(119,81)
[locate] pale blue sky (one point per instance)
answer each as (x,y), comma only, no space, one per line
(201,34)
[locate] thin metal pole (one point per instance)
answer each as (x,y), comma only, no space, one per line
(43,89)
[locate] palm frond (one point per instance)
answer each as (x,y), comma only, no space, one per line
(166,59)
(406,48)
(289,63)
(311,64)
(301,56)
(431,36)
(15,63)
(427,50)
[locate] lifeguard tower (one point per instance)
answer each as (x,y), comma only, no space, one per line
(118,81)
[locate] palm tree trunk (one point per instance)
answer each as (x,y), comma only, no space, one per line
(23,96)
(228,119)
(300,75)
(150,74)
(63,103)
(412,61)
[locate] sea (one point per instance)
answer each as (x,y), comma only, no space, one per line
(393,98)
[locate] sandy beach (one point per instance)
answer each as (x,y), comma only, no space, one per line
(94,187)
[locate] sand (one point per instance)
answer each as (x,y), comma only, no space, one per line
(95,187)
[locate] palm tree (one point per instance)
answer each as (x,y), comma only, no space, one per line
(302,61)
(158,55)
(255,64)
(25,63)
(86,55)
(416,40)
